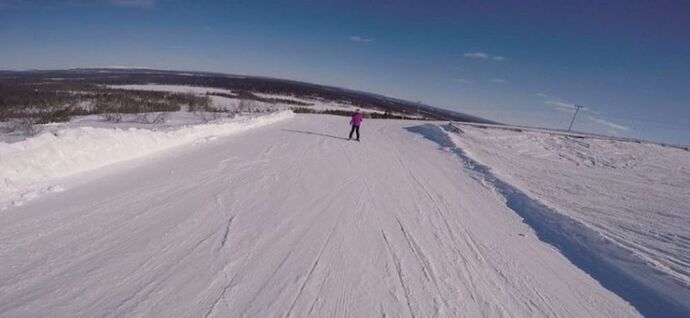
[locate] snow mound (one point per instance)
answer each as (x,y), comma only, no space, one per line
(72,150)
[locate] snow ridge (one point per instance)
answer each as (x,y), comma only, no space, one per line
(652,292)
(68,151)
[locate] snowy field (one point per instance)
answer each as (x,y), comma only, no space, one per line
(219,102)
(229,103)
(197,90)
(291,220)
(634,195)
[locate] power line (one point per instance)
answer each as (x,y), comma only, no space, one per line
(546,113)
(649,121)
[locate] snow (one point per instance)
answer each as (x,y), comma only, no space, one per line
(635,195)
(290,220)
(329,105)
(172,120)
(67,151)
(229,103)
(288,97)
(219,102)
(197,90)
(576,134)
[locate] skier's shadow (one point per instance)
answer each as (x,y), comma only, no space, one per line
(313,133)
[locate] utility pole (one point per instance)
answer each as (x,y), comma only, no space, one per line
(577,109)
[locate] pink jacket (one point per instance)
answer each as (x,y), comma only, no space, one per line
(356,119)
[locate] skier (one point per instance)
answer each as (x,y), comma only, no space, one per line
(356,120)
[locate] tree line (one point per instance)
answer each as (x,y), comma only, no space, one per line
(59,101)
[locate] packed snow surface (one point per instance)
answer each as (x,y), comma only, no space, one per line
(288,220)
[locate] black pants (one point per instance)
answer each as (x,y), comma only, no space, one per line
(354,128)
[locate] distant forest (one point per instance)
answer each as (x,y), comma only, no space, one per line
(65,87)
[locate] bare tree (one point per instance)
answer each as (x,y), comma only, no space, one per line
(113,113)
(26,124)
(245,105)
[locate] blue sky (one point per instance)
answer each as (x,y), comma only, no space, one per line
(521,62)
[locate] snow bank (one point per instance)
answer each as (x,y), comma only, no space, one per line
(618,210)
(73,150)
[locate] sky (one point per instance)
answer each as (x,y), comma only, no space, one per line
(517,62)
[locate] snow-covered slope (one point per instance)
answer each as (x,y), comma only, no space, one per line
(635,195)
(288,220)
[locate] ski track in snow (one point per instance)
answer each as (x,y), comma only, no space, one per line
(288,220)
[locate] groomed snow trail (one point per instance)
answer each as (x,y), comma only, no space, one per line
(288,220)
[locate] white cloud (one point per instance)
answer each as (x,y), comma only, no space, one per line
(565,109)
(483,56)
(541,95)
(359,39)
(477,55)
(498,80)
(134,3)
(608,123)
(570,108)
(560,104)
(460,80)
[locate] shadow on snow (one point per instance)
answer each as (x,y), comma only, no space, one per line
(313,133)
